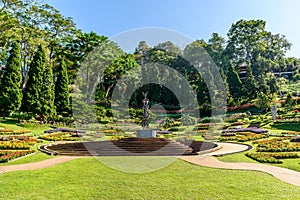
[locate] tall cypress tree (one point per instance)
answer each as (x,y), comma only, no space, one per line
(47,94)
(34,86)
(10,87)
(62,100)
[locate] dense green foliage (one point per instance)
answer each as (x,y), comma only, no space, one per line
(10,84)
(62,97)
(249,61)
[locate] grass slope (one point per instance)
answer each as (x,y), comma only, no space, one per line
(89,179)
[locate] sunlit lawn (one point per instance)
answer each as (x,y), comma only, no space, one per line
(87,178)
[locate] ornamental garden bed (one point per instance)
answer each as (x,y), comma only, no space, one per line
(8,155)
(241,136)
(272,157)
(11,132)
(60,136)
(250,129)
(275,145)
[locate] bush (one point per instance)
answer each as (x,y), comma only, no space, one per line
(20,115)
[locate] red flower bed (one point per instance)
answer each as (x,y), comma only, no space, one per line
(5,156)
(240,107)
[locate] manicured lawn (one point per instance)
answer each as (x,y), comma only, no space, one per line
(293,164)
(13,125)
(87,178)
(287,126)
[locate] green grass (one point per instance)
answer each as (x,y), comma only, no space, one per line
(287,126)
(293,164)
(88,179)
(13,124)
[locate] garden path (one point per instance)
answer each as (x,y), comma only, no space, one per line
(37,165)
(208,160)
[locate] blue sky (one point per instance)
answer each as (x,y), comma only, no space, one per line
(196,19)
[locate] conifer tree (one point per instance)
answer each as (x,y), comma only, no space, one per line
(34,86)
(62,100)
(10,87)
(48,109)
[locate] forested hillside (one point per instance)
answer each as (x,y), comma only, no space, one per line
(42,51)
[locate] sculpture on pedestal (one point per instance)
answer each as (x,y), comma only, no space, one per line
(146,116)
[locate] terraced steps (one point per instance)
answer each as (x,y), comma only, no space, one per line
(127,147)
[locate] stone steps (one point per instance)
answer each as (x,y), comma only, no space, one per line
(123,147)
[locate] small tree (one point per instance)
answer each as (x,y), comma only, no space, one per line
(62,99)
(10,87)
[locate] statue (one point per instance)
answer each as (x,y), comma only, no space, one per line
(146,116)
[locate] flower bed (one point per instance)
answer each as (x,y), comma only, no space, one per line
(15,144)
(227,138)
(272,157)
(251,129)
(11,132)
(6,156)
(64,130)
(249,137)
(62,136)
(27,139)
(237,123)
(277,146)
(228,134)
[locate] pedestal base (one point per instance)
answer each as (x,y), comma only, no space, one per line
(146,133)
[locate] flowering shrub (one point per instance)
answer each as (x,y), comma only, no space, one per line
(5,156)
